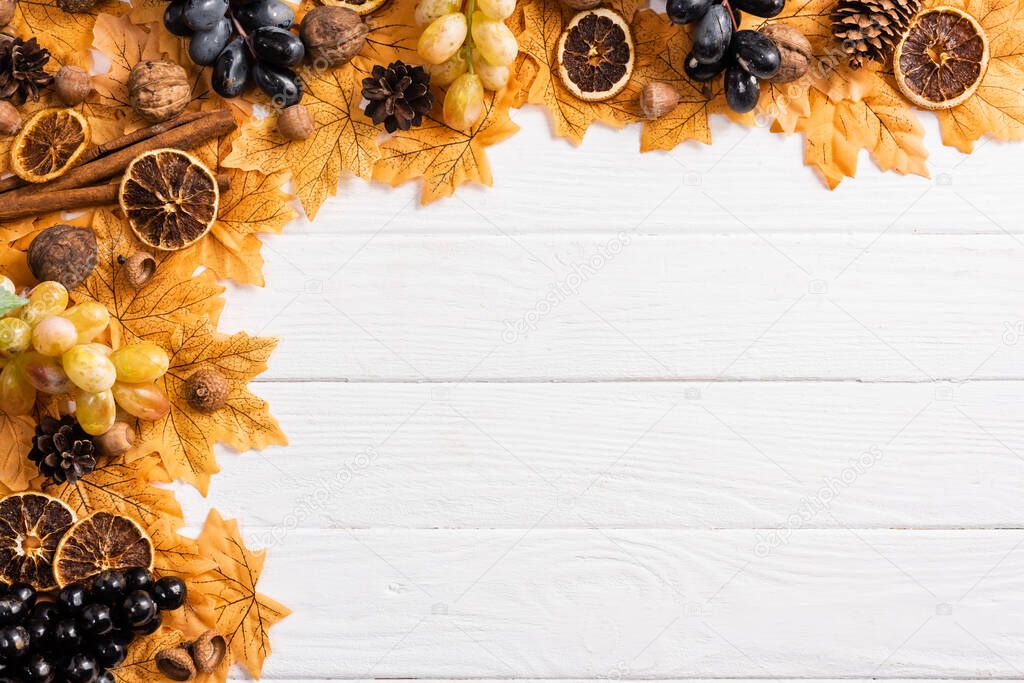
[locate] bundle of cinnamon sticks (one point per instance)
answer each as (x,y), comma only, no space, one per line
(88,182)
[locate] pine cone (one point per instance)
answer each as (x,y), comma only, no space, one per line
(62,450)
(398,96)
(870,29)
(21,69)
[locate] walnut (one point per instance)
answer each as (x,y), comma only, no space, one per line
(332,35)
(158,90)
(295,123)
(794,48)
(73,85)
(63,253)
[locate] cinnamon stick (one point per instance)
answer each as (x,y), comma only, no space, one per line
(202,129)
(14,182)
(80,198)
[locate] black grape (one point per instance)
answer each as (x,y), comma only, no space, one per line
(281,84)
(741,89)
(207,45)
(174,19)
(231,71)
(713,34)
(686,11)
(700,71)
(760,8)
(203,15)
(264,13)
(277,46)
(756,53)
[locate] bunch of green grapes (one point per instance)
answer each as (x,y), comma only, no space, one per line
(51,348)
(466,51)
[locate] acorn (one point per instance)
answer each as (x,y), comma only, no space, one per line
(176,664)
(138,268)
(10,118)
(115,441)
(206,390)
(295,123)
(657,99)
(208,651)
(63,253)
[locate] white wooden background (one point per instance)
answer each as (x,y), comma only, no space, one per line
(754,429)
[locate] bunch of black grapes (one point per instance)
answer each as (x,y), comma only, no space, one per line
(744,56)
(246,42)
(82,631)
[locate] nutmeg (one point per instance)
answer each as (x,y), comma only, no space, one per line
(115,441)
(158,90)
(295,122)
(76,5)
(332,35)
(72,84)
(10,119)
(63,253)
(7,8)
(138,268)
(658,98)
(206,390)
(794,48)
(176,664)
(580,5)
(208,651)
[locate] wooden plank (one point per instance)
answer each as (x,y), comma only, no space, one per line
(672,455)
(406,308)
(647,604)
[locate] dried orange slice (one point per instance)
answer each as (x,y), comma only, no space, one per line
(362,7)
(31,527)
(941,60)
(596,54)
(49,144)
(99,542)
(170,198)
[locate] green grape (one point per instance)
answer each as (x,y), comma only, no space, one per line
(464,102)
(7,284)
(101,349)
(142,362)
(428,10)
(444,74)
(90,318)
(17,396)
(497,9)
(144,401)
(15,335)
(494,78)
(53,335)
(89,368)
(442,38)
(96,412)
(47,298)
(45,373)
(495,41)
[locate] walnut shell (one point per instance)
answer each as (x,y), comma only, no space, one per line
(158,90)
(794,49)
(63,253)
(332,35)
(7,8)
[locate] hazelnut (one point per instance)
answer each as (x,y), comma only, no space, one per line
(794,49)
(7,8)
(115,441)
(176,664)
(206,390)
(295,123)
(208,651)
(63,253)
(76,5)
(73,85)
(158,90)
(332,35)
(657,99)
(10,119)
(580,5)
(138,268)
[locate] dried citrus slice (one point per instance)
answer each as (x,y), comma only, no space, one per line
(99,542)
(596,54)
(170,198)
(31,528)
(362,7)
(49,144)
(942,58)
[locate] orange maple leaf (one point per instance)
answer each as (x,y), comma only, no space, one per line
(67,35)
(16,470)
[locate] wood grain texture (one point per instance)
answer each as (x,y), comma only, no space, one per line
(410,308)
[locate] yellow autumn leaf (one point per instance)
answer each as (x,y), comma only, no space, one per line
(66,35)
(173,295)
(996,109)
(392,37)
(343,139)
(140,664)
(16,470)
(243,615)
(185,437)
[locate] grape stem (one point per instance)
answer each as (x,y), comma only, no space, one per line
(732,15)
(470,9)
(242,33)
